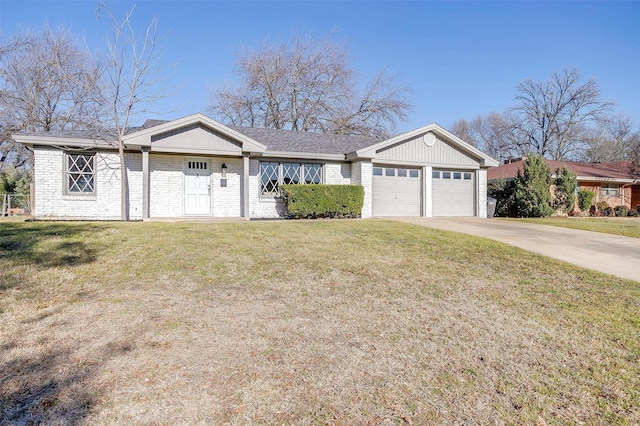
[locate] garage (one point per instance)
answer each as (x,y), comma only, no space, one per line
(396,191)
(453,193)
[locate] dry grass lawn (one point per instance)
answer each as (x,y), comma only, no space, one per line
(625,226)
(306,323)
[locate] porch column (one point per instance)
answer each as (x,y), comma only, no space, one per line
(245,185)
(145,183)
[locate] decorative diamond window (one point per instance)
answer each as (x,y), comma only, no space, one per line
(80,173)
(290,173)
(312,173)
(274,174)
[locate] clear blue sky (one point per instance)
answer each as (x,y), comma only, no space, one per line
(462,58)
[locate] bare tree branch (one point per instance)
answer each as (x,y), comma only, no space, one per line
(308,85)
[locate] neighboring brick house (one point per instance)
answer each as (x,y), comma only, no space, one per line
(197,167)
(612,182)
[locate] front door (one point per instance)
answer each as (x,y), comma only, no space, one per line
(197,187)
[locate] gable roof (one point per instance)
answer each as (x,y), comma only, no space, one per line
(437,130)
(612,171)
(257,141)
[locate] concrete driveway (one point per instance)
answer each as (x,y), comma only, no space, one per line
(611,254)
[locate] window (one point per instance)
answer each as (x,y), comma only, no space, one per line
(390,172)
(457,175)
(467,176)
(609,190)
(273,174)
(435,175)
(377,171)
(413,173)
(80,174)
(402,172)
(446,175)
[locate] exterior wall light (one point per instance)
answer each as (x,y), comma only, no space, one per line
(224,170)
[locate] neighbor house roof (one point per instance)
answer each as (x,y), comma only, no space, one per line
(613,171)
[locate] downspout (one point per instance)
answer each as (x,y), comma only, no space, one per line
(636,182)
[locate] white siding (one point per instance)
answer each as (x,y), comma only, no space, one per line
(197,139)
(415,150)
(49,187)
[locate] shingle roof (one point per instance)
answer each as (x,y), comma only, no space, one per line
(305,142)
(612,170)
(275,140)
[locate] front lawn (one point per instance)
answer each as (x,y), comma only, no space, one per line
(625,226)
(311,322)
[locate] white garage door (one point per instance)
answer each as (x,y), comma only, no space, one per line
(453,193)
(396,192)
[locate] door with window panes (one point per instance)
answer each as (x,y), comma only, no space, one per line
(197,187)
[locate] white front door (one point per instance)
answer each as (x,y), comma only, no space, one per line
(197,186)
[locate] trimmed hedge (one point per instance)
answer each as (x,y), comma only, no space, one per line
(323,201)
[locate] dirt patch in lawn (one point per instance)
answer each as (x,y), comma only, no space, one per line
(328,322)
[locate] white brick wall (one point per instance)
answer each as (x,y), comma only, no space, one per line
(362,174)
(226,200)
(482,193)
(337,173)
(166,185)
(261,207)
(49,187)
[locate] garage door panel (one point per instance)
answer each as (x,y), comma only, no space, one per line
(396,193)
(453,197)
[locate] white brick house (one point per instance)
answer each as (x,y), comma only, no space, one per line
(197,167)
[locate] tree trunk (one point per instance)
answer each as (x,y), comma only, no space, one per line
(124,184)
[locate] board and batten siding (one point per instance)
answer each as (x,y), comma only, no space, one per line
(416,151)
(49,187)
(197,140)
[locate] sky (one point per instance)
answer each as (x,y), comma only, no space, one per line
(461,58)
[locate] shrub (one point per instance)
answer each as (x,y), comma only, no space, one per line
(632,213)
(607,211)
(504,193)
(585,199)
(601,206)
(323,201)
(621,211)
(566,184)
(532,196)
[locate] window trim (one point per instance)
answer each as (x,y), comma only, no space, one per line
(280,172)
(606,189)
(66,172)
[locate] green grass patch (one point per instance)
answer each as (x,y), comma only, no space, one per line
(625,226)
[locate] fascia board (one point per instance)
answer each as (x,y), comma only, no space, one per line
(143,137)
(61,142)
(303,156)
(603,179)
(421,164)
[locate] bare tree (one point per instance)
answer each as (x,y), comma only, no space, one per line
(491,133)
(613,140)
(133,82)
(47,83)
(309,85)
(551,118)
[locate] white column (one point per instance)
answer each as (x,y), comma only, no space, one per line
(145,183)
